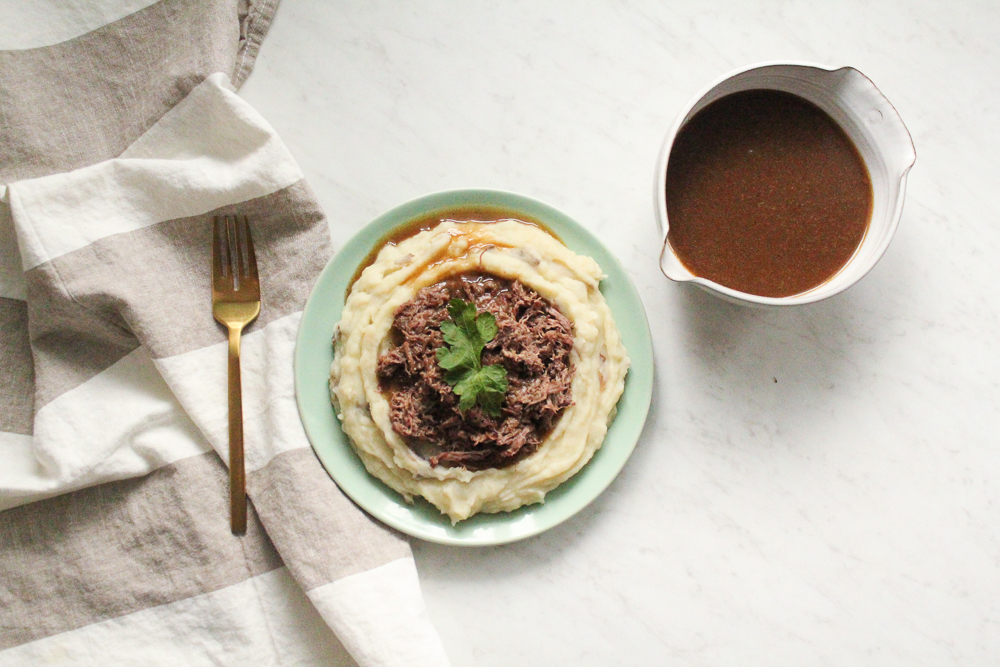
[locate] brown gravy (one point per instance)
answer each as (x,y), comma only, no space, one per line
(482,214)
(766,194)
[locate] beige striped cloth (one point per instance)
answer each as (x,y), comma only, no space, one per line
(120,139)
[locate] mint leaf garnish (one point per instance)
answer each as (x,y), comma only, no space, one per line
(467,334)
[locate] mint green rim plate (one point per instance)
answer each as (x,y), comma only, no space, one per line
(314,354)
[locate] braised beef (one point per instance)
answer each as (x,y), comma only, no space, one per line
(533,344)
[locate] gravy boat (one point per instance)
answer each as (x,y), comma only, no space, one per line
(869,120)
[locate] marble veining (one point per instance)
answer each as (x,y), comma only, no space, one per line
(816,486)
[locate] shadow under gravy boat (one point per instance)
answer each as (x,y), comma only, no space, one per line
(868,119)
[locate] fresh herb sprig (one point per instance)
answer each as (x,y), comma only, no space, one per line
(468,334)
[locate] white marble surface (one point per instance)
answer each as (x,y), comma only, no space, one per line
(814,486)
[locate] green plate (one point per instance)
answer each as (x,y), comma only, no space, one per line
(314,354)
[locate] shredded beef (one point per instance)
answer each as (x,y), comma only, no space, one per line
(533,344)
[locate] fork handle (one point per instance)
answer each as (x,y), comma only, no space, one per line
(237,472)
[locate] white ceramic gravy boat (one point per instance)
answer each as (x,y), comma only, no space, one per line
(867,117)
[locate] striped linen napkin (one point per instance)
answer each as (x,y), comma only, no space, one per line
(114,531)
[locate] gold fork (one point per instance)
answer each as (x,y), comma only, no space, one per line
(235,303)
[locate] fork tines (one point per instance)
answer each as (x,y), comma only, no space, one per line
(233,253)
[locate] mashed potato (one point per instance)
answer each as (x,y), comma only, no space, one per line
(508,249)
